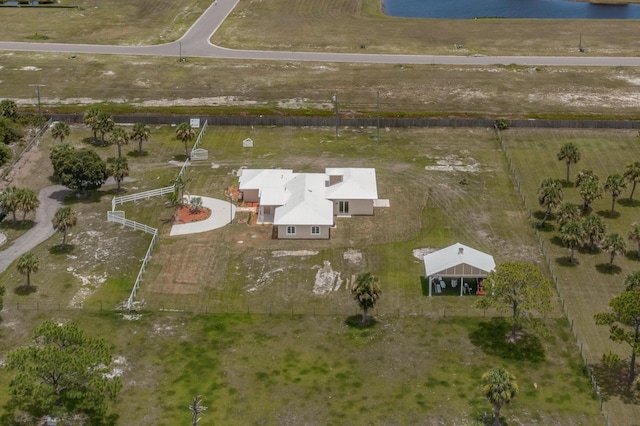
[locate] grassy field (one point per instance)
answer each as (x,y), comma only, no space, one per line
(427,353)
(588,286)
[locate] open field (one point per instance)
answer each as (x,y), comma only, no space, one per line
(254,367)
(135,85)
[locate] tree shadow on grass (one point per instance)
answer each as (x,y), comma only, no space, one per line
(137,154)
(613,381)
(556,240)
(23,290)
(8,223)
(566,184)
(625,202)
(66,249)
(491,337)
(355,321)
(607,269)
(87,197)
(608,214)
(632,255)
(566,261)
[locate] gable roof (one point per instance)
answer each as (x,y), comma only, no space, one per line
(457,254)
(306,203)
(357,184)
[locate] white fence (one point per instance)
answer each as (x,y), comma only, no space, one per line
(119,217)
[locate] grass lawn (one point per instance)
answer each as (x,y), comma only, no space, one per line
(302,363)
(588,286)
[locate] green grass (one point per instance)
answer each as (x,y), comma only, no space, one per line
(588,286)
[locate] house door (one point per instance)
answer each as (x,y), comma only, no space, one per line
(343,207)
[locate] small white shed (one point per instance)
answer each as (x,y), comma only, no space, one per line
(457,262)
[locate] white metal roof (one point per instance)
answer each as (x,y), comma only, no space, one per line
(456,254)
(357,184)
(263,178)
(306,203)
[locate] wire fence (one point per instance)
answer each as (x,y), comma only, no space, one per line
(547,258)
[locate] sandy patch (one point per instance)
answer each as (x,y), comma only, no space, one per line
(420,253)
(282,253)
(353,256)
(453,163)
(264,279)
(118,366)
(30,69)
(327,280)
(90,284)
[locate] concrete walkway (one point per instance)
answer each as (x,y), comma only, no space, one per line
(51,199)
(222,213)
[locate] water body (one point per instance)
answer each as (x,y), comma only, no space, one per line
(539,9)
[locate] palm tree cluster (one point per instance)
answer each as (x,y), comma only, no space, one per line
(13,200)
(102,123)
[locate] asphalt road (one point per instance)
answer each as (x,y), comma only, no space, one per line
(195,43)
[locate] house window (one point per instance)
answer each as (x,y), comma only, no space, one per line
(343,207)
(291,230)
(315,230)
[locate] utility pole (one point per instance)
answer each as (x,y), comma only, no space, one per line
(335,101)
(39,107)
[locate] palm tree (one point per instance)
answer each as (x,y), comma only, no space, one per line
(120,137)
(589,187)
(60,130)
(366,292)
(616,185)
(632,281)
(141,133)
(63,220)
(573,235)
(632,174)
(569,153)
(567,212)
(9,201)
(27,264)
(634,235)
(27,201)
(119,169)
(499,387)
(105,124)
(595,228)
(91,119)
(549,196)
(185,133)
(614,244)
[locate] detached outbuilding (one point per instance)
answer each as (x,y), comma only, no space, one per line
(461,267)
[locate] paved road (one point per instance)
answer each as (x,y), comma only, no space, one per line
(195,43)
(51,199)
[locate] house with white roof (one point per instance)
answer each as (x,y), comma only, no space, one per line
(458,265)
(304,205)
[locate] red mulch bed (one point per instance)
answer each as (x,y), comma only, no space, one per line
(185,216)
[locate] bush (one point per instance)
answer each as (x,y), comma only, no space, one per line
(5,154)
(502,124)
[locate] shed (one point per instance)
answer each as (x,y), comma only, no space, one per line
(457,262)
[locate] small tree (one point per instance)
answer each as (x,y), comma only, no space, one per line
(518,288)
(589,188)
(120,137)
(549,196)
(8,108)
(9,201)
(614,244)
(119,169)
(569,153)
(632,281)
(27,264)
(616,185)
(185,133)
(60,130)
(573,236)
(27,201)
(499,387)
(80,169)
(624,323)
(366,292)
(63,373)
(140,133)
(634,235)
(594,229)
(196,204)
(632,174)
(567,212)
(63,220)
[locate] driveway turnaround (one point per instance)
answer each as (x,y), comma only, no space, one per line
(195,43)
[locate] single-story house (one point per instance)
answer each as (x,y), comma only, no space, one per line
(304,205)
(460,265)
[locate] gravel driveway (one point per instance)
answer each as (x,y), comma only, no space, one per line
(51,199)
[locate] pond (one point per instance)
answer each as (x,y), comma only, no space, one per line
(542,9)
